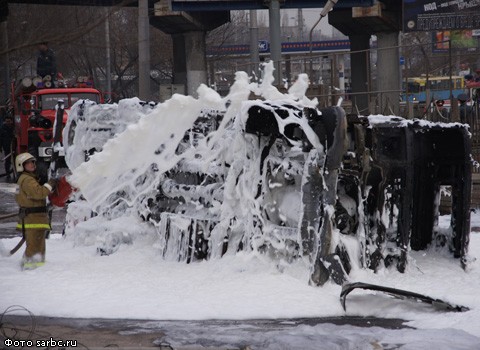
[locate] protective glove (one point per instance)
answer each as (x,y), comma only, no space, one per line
(53,183)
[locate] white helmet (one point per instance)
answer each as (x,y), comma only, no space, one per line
(22,158)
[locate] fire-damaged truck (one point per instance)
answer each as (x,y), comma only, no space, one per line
(365,198)
(35,104)
(340,191)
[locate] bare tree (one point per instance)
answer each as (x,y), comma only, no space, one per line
(223,65)
(422,57)
(77,35)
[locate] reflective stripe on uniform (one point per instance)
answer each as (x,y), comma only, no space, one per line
(33,226)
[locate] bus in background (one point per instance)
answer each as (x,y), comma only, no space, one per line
(439,86)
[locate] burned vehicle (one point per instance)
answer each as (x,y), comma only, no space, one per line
(274,176)
(294,182)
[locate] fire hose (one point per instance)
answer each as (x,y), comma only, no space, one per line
(7,216)
(17,247)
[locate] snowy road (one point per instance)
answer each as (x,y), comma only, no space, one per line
(304,334)
(158,295)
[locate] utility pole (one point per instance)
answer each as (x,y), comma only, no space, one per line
(327,8)
(254,51)
(108,68)
(275,39)
(143,51)
(300,24)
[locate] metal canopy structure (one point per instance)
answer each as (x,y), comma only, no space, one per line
(82,2)
(219,5)
(186,18)
(203,5)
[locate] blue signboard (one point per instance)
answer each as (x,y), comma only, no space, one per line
(263,46)
(317,46)
(428,15)
(289,47)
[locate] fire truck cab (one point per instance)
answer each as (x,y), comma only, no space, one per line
(35,112)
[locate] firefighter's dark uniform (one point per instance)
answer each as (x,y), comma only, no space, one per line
(34,222)
(47,64)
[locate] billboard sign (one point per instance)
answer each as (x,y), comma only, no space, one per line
(459,39)
(428,15)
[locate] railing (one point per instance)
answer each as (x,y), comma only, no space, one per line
(328,82)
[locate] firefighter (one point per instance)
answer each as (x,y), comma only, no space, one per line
(46,62)
(33,218)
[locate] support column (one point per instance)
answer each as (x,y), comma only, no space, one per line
(143,51)
(179,60)
(255,55)
(388,77)
(190,62)
(341,73)
(360,67)
(275,39)
(196,61)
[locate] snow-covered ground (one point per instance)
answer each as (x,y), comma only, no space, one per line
(136,282)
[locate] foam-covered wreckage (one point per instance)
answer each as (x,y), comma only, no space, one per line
(294,182)
(341,191)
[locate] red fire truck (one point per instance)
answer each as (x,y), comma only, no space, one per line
(35,108)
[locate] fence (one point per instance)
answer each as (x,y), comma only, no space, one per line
(330,79)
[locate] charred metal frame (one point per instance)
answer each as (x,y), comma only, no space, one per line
(409,162)
(390,168)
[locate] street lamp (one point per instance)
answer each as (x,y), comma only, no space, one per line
(326,9)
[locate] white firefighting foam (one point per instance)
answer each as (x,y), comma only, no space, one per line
(154,139)
(118,181)
(137,283)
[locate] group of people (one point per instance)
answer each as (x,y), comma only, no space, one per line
(466,112)
(470,78)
